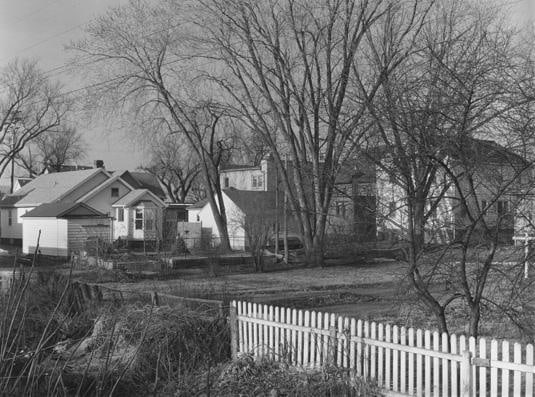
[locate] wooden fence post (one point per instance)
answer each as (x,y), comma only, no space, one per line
(233,319)
(466,374)
(332,346)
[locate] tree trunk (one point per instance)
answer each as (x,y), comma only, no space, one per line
(475,315)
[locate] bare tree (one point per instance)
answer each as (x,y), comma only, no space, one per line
(290,68)
(149,73)
(175,165)
(30,105)
(52,150)
(463,79)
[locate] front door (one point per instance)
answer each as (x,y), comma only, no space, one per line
(138,224)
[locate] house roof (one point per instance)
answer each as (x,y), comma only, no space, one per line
(134,196)
(9,201)
(24,180)
(63,209)
(198,204)
(142,180)
(104,185)
(50,187)
(251,202)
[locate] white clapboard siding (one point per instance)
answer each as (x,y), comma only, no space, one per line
(407,361)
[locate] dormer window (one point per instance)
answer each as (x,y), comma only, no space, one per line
(115,192)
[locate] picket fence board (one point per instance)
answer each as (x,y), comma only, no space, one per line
(401,360)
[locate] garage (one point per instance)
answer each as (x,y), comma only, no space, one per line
(64,227)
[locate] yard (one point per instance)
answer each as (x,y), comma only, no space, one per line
(373,291)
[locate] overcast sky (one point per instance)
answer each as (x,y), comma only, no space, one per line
(40,29)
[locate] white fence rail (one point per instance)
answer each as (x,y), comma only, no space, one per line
(402,361)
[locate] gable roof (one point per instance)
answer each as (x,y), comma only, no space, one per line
(251,202)
(104,185)
(198,205)
(51,187)
(134,196)
(142,180)
(63,209)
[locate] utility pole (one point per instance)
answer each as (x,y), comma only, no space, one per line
(13,125)
(285,215)
(276,211)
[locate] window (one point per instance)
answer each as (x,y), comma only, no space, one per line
(139,219)
(9,217)
(257,181)
(226,182)
(503,208)
(120,214)
(115,192)
(483,205)
(392,208)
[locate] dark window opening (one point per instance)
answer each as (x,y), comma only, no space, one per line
(226,182)
(115,192)
(120,214)
(139,220)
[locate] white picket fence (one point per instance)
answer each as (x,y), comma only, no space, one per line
(402,361)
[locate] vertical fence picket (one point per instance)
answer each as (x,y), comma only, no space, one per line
(493,370)
(454,365)
(366,351)
(313,327)
(482,369)
(271,318)
(359,354)
(300,338)
(255,329)
(403,362)
(388,358)
(529,375)
(345,361)
(277,330)
(505,372)
(427,373)
(288,337)
(267,346)
(419,361)
(250,341)
(320,340)
(395,360)
(240,329)
(340,343)
(326,338)
(473,351)
(445,365)
(352,334)
(436,365)
(463,346)
(373,349)
(411,362)
(294,338)
(380,355)
(517,359)
(306,339)
(332,339)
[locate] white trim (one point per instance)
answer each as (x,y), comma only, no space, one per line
(146,191)
(82,182)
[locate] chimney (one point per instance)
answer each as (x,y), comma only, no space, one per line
(99,163)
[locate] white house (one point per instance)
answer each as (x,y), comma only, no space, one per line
(61,227)
(242,207)
(120,197)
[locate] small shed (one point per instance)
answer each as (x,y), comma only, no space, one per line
(64,227)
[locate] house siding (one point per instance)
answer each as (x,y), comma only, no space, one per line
(13,231)
(79,230)
(53,239)
(103,201)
